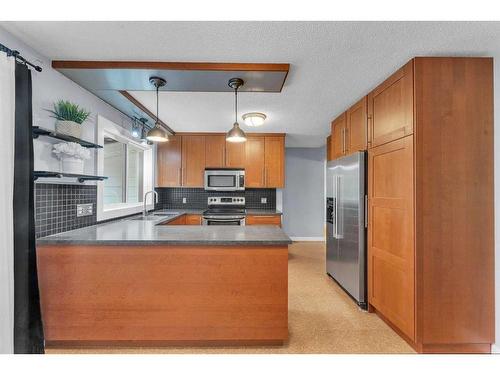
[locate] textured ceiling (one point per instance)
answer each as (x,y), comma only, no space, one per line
(332,63)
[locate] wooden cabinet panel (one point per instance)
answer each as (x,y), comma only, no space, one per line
(193,219)
(274,162)
(357,127)
(235,155)
(181,220)
(193,160)
(338,136)
(263,220)
(391,252)
(255,157)
(215,151)
(455,196)
(329,148)
(169,162)
(391,107)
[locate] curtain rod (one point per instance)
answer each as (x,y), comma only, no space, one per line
(18,56)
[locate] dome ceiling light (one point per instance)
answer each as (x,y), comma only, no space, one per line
(254,118)
(236,135)
(157,134)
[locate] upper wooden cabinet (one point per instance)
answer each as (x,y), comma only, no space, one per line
(390,107)
(356,125)
(235,155)
(193,160)
(338,136)
(329,148)
(169,162)
(215,151)
(274,170)
(182,160)
(255,158)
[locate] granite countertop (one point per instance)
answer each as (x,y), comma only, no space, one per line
(137,231)
(263,212)
(249,211)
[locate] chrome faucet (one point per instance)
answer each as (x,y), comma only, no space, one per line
(145,211)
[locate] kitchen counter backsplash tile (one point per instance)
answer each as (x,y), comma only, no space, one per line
(55,207)
(197,197)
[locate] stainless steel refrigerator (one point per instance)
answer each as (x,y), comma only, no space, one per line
(346,225)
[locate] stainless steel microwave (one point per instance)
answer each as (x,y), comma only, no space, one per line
(224,179)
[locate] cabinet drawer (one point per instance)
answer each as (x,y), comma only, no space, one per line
(263,220)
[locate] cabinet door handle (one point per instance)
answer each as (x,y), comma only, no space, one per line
(263,176)
(345,140)
(179,176)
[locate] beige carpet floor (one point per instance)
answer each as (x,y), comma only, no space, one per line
(322,318)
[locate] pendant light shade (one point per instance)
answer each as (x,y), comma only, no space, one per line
(157,134)
(236,135)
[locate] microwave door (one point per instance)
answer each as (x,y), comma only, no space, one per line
(220,182)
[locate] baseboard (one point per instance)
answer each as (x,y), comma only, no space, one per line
(312,239)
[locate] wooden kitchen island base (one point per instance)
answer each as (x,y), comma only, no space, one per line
(163,294)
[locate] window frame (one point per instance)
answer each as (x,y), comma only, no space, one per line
(114,210)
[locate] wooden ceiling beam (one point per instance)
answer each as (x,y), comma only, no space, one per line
(203,66)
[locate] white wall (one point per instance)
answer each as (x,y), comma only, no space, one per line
(50,86)
(303,195)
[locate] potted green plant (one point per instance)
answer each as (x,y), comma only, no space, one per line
(69,117)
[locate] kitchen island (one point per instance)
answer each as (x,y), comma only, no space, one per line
(137,282)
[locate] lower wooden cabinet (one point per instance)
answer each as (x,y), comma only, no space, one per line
(188,219)
(263,220)
(193,219)
(181,220)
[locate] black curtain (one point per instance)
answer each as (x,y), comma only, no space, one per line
(28,329)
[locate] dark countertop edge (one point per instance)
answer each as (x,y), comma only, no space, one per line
(53,242)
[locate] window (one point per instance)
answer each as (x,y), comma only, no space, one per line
(128,165)
(123,165)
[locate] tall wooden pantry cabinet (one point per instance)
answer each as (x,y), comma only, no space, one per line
(430,203)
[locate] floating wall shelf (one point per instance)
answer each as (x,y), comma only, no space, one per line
(80,177)
(37,131)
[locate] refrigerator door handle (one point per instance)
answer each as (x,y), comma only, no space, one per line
(338,223)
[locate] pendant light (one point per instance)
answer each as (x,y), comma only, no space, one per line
(236,135)
(157,134)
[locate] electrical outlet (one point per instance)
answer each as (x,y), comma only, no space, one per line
(263,200)
(184,200)
(84,209)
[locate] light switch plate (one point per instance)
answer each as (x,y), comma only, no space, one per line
(263,200)
(84,209)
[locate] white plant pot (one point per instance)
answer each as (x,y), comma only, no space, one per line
(69,128)
(72,165)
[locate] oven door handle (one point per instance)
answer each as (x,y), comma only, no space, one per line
(212,219)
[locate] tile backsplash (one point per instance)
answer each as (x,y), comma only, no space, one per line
(55,207)
(55,204)
(197,197)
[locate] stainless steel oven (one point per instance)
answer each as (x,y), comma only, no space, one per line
(224,179)
(225,211)
(223,220)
